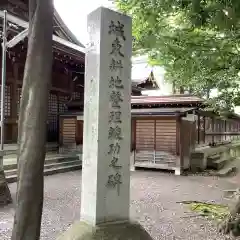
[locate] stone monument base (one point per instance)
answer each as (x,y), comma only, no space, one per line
(110,231)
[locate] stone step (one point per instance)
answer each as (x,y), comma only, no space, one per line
(214,157)
(9,150)
(230,168)
(46,166)
(49,160)
(226,171)
(211,161)
(217,164)
(51,169)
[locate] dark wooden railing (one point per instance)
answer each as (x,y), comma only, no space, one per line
(212,129)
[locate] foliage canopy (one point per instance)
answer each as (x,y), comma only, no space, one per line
(197,41)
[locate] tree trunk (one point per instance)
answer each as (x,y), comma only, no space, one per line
(32,122)
(181,90)
(231,225)
(174,87)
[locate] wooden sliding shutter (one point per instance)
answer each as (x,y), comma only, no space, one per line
(69,132)
(166,135)
(52,117)
(145,131)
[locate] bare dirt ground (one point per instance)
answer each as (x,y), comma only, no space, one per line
(154,203)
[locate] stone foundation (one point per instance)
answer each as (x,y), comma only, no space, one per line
(111,231)
(199,158)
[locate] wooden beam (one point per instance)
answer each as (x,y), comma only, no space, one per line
(11,121)
(21,4)
(25,25)
(15,40)
(60,90)
(222,133)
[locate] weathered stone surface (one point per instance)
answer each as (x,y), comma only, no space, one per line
(203,157)
(197,162)
(107,118)
(112,231)
(5,195)
(218,164)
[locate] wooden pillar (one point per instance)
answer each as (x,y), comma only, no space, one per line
(198,127)
(179,146)
(226,129)
(135,134)
(155,139)
(237,130)
(58,118)
(134,137)
(60,139)
(204,129)
(14,103)
(213,122)
(178,130)
(223,130)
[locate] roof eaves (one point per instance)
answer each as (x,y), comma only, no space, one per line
(64,28)
(24,24)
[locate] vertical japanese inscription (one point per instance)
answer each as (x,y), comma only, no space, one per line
(116,29)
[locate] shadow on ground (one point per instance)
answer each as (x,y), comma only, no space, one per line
(154,203)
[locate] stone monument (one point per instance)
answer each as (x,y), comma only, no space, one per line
(107,129)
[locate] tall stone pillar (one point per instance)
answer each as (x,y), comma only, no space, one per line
(107,132)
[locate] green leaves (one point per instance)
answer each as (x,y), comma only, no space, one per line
(197,41)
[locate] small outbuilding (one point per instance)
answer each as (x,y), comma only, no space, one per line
(165,130)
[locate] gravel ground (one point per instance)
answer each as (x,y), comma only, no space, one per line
(154,197)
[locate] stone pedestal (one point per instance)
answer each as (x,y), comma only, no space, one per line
(114,231)
(198,162)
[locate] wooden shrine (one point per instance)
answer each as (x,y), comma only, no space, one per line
(68,70)
(165,129)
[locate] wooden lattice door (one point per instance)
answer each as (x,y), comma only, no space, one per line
(7,113)
(52,129)
(62,101)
